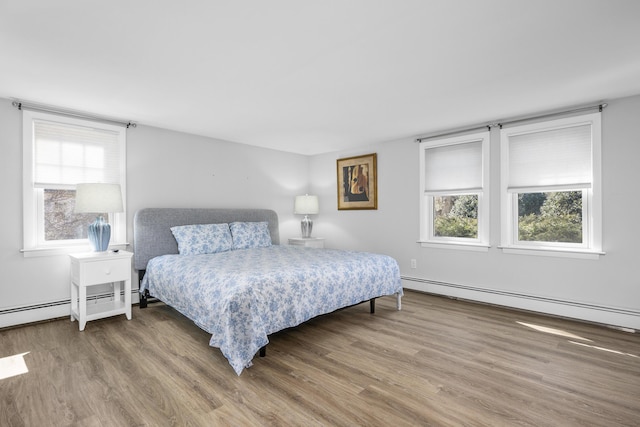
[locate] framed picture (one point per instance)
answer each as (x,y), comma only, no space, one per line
(357,182)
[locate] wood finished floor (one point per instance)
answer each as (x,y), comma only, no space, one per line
(437,362)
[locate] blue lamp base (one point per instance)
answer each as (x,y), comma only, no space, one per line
(99,234)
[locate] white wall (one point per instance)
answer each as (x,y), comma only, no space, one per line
(164,169)
(173,169)
(605,290)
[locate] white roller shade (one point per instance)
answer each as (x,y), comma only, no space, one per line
(455,167)
(65,155)
(557,157)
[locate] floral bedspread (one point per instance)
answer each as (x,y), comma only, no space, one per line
(242,296)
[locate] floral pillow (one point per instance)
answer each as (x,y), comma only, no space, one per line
(202,238)
(250,234)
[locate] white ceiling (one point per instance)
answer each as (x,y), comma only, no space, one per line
(318,76)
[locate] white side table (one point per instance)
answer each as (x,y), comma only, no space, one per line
(96,268)
(309,242)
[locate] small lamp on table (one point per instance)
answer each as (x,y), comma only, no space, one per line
(306,205)
(101,199)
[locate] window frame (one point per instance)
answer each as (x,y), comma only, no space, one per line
(33,197)
(591,246)
(427,213)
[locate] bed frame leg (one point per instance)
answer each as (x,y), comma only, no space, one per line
(399,301)
(143,299)
(145,293)
(372,305)
(263,351)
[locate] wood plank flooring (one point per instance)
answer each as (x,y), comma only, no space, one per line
(437,362)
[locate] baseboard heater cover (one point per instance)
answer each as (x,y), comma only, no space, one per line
(49,310)
(610,316)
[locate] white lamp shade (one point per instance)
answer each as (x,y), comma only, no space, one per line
(98,198)
(306,205)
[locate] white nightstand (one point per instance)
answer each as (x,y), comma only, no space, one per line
(96,268)
(309,242)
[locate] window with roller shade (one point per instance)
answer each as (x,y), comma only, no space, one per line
(551,195)
(455,190)
(60,152)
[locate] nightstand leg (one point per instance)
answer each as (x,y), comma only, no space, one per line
(82,309)
(127,299)
(74,300)
(116,291)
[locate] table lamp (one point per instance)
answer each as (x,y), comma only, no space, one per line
(100,199)
(306,205)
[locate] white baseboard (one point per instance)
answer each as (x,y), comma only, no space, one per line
(46,311)
(611,316)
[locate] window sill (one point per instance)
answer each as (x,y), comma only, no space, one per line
(65,250)
(560,253)
(476,247)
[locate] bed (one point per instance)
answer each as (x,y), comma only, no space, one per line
(225,270)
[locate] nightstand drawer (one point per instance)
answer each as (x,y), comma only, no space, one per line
(104,271)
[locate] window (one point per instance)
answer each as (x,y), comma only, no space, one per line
(60,152)
(551,185)
(454,208)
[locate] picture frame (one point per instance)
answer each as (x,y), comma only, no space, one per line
(357,182)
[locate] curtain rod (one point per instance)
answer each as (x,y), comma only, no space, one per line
(500,124)
(21,105)
(455,132)
(599,107)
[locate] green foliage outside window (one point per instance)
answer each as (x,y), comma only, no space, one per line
(456,216)
(550,217)
(449,226)
(542,217)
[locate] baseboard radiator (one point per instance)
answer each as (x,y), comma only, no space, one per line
(50,310)
(626,319)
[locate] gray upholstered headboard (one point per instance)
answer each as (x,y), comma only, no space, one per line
(152,228)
